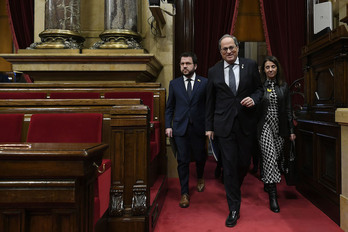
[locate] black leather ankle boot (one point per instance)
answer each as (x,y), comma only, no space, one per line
(272,192)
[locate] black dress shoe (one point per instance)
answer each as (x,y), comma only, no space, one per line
(232,218)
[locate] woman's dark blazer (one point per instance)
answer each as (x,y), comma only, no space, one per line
(286,126)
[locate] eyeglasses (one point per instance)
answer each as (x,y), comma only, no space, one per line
(231,48)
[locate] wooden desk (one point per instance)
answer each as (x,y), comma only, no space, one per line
(48,186)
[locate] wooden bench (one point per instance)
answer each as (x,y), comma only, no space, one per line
(159,164)
(101,88)
(126,131)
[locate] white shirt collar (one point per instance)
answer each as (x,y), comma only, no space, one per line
(192,78)
(227,64)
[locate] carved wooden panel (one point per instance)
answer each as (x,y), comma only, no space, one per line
(10,220)
(318,145)
(51,188)
(51,220)
(305,151)
(341,72)
(130,190)
(327,161)
(326,77)
(324,80)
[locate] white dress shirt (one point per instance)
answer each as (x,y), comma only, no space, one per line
(236,70)
(192,82)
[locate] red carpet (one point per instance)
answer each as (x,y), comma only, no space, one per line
(208,210)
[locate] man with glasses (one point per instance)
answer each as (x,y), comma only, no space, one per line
(233,91)
(185,122)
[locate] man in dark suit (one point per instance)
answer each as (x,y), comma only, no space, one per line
(234,88)
(185,122)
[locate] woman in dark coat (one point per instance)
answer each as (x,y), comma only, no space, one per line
(275,125)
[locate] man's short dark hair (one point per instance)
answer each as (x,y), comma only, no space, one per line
(190,54)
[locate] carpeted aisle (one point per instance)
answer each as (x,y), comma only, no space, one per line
(208,210)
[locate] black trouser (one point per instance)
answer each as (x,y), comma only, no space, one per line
(236,152)
(194,144)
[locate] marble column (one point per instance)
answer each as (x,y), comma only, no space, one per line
(62,25)
(120,25)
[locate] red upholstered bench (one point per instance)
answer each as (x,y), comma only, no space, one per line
(75,128)
(147,98)
(22,95)
(11,128)
(74,95)
(65,128)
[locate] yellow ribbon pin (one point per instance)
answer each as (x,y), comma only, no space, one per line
(269,90)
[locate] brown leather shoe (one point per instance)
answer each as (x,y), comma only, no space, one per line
(200,185)
(185,201)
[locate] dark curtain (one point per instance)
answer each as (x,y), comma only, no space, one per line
(286,27)
(21,18)
(212,20)
(21,15)
(286,22)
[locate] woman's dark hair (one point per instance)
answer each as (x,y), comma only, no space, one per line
(279,78)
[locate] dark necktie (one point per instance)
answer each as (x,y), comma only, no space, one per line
(189,86)
(232,79)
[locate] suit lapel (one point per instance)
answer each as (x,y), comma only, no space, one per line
(221,74)
(196,86)
(183,88)
(242,79)
(222,77)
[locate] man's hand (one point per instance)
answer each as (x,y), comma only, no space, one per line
(169,132)
(248,102)
(210,134)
